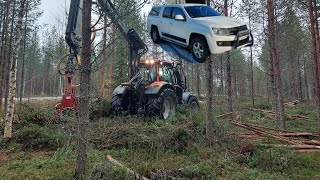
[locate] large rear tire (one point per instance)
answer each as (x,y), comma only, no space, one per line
(162,105)
(118,105)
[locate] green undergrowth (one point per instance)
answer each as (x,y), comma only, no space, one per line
(158,149)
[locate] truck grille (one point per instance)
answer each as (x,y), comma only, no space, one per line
(234,31)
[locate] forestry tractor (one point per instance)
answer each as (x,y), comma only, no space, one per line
(155,90)
(155,87)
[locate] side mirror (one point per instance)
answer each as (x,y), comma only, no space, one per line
(179,17)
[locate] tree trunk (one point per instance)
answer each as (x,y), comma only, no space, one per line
(113,56)
(103,66)
(209,95)
(198,80)
(83,119)
(314,53)
(9,58)
(300,93)
(306,84)
(21,91)
(276,66)
(13,73)
(3,52)
(228,68)
(221,76)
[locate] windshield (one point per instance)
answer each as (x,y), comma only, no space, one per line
(201,11)
(147,73)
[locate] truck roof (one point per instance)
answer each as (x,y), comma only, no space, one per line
(181,5)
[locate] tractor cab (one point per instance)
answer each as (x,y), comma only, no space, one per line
(157,71)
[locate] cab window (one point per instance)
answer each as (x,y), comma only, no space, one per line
(167,74)
(167,12)
(178,11)
(155,11)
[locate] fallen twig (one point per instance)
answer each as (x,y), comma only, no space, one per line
(225,114)
(128,170)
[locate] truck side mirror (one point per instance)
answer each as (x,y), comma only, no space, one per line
(179,17)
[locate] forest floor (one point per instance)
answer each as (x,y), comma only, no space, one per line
(157,149)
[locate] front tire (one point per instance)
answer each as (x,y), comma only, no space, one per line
(155,36)
(162,105)
(199,49)
(118,105)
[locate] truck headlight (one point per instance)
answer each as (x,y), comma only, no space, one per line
(220,32)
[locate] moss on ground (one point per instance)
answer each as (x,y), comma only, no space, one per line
(159,149)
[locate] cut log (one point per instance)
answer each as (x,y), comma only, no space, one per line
(292,103)
(294,117)
(225,114)
(307,150)
(260,131)
(128,170)
(293,146)
(298,134)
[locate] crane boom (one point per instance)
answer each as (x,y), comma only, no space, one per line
(73,32)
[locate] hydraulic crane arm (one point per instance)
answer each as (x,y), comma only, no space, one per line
(136,45)
(73,32)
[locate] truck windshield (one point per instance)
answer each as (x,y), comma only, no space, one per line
(201,11)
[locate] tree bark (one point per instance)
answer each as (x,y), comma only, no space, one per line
(83,119)
(314,53)
(103,66)
(228,68)
(3,52)
(306,84)
(198,80)
(276,66)
(13,73)
(209,95)
(21,91)
(300,93)
(7,78)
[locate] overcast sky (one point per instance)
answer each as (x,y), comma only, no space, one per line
(54,11)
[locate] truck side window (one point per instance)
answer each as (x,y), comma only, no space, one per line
(178,11)
(155,11)
(167,12)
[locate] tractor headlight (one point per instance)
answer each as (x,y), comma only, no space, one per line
(151,61)
(220,32)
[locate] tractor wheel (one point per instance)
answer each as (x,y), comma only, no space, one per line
(163,105)
(193,103)
(118,105)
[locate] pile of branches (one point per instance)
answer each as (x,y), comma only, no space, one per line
(299,141)
(149,136)
(271,115)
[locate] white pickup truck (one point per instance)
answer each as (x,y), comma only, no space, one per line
(199,28)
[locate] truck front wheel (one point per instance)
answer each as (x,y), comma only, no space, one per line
(199,49)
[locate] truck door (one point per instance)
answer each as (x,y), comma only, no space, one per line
(166,22)
(179,28)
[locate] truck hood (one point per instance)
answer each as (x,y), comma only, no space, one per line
(219,22)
